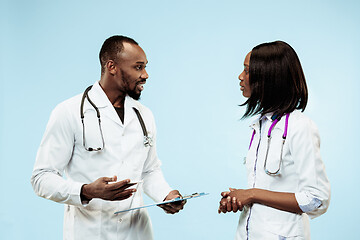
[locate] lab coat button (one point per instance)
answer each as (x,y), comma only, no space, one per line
(120,220)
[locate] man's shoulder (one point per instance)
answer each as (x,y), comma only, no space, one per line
(71,102)
(70,105)
(141,107)
(145,112)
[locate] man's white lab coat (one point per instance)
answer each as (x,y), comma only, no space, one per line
(62,151)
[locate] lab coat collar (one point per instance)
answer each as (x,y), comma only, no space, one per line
(130,114)
(99,97)
(255,123)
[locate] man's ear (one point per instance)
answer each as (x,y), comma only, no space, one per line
(111,67)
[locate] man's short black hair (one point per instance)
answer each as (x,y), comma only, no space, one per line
(276,79)
(111,48)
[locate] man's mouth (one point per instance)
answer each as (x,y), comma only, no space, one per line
(140,85)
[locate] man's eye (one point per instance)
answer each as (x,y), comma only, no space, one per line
(138,67)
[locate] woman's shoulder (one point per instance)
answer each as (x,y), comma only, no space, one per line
(301,121)
(299,116)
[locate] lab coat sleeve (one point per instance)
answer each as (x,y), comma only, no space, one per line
(53,155)
(314,187)
(155,185)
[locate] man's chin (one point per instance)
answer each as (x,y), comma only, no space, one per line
(134,95)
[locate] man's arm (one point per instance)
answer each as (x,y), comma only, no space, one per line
(155,184)
(53,156)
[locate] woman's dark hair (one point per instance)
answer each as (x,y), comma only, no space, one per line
(276,79)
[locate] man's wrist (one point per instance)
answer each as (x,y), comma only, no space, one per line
(84,196)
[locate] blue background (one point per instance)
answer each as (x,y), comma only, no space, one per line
(49,52)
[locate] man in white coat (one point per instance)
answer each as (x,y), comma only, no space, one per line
(104,141)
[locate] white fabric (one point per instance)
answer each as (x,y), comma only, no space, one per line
(61,151)
(302,172)
(307,202)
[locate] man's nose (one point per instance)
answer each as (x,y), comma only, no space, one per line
(144,75)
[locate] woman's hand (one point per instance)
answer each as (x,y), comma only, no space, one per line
(235,200)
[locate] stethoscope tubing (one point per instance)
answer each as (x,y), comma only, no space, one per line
(147,140)
(269,141)
(85,95)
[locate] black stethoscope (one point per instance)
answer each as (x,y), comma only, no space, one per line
(147,140)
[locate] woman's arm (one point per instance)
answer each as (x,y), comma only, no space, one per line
(236,199)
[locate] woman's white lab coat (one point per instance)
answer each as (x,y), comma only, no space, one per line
(302,172)
(62,151)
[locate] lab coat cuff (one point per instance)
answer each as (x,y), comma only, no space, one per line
(166,192)
(75,194)
(307,202)
(158,194)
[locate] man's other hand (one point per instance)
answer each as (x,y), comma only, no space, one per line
(174,207)
(107,189)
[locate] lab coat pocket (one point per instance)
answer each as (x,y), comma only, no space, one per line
(90,219)
(82,218)
(287,230)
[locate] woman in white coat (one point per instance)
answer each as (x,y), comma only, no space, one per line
(287,182)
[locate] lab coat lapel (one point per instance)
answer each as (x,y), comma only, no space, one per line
(130,114)
(255,124)
(98,96)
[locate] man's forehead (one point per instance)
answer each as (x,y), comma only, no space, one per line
(132,52)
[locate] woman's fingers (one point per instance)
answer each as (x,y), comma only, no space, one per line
(234,204)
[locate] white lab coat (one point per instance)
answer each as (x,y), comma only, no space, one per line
(302,172)
(61,151)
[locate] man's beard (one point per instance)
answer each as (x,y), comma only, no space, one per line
(134,94)
(131,92)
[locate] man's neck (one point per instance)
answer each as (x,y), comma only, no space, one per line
(117,98)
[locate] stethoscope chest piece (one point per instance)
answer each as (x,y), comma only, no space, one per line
(148,141)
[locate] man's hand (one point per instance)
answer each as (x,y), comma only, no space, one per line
(174,207)
(104,189)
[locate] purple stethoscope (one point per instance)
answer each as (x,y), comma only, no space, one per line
(269,140)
